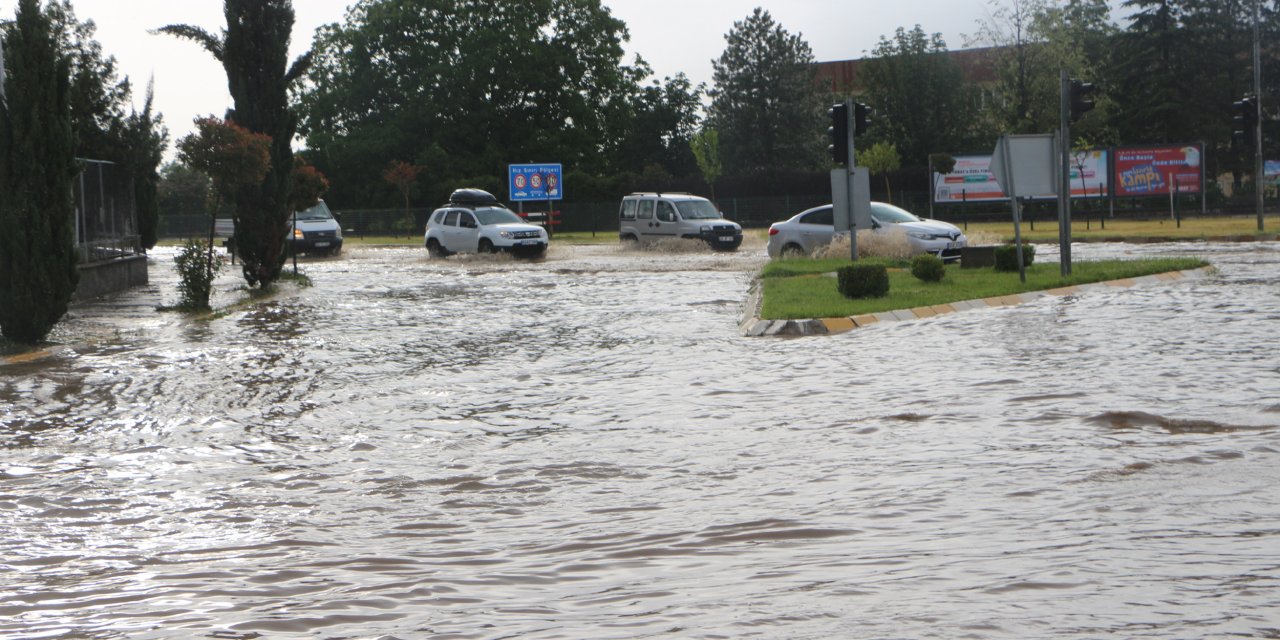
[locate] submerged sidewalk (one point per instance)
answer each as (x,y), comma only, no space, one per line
(753,326)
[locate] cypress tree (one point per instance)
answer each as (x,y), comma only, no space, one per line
(254,51)
(37,165)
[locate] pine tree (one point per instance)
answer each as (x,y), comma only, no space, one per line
(37,164)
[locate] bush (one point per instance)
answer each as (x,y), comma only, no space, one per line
(928,267)
(1007,256)
(196,273)
(863,281)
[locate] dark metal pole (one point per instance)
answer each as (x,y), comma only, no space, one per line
(1258,166)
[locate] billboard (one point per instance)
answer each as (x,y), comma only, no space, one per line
(1271,169)
(1158,170)
(972,180)
(535,182)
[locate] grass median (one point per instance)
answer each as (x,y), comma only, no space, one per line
(804,288)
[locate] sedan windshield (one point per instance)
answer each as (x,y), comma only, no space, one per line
(697,210)
(891,214)
(497,216)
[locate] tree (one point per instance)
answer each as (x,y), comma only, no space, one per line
(658,126)
(37,164)
(234,158)
(919,97)
(145,141)
(308,185)
(403,176)
(254,51)
(184,191)
(881,159)
(466,88)
(765,103)
(706,149)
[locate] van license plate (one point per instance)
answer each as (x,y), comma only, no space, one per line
(322,244)
(726,238)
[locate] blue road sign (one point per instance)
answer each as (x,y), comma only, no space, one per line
(535,182)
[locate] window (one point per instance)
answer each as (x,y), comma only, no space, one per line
(646,210)
(666,212)
(628,210)
(466,220)
(821,216)
(451,219)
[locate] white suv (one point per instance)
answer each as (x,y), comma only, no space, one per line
(475,222)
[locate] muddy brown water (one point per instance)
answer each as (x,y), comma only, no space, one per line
(584,447)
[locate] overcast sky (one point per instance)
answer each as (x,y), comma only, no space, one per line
(673,36)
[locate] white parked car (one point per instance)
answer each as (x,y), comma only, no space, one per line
(809,230)
(475,222)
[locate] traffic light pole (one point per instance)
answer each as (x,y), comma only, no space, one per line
(851,132)
(1258,165)
(1064,182)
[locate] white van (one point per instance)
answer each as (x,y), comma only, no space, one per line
(645,217)
(316,231)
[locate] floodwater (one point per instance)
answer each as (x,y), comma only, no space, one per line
(585,447)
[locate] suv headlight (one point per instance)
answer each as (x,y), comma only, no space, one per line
(506,234)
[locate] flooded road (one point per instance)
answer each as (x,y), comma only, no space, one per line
(585,447)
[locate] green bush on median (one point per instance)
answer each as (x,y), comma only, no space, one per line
(863,281)
(1007,256)
(928,268)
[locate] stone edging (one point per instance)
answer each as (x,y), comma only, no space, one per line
(752,326)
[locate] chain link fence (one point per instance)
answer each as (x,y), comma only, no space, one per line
(106,219)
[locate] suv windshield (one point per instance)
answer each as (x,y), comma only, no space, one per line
(697,210)
(497,216)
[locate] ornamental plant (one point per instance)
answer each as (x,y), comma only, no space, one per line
(928,267)
(1007,256)
(863,281)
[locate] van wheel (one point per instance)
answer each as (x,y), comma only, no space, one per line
(630,239)
(485,246)
(435,250)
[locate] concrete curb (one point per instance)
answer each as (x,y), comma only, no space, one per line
(752,326)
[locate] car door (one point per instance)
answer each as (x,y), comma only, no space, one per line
(644,219)
(468,232)
(665,220)
(816,229)
(449,230)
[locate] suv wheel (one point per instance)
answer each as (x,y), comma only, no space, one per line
(486,246)
(435,250)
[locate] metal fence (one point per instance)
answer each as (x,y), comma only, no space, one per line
(106,219)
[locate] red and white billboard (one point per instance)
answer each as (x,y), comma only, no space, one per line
(1158,171)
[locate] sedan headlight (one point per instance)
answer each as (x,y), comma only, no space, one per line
(921,235)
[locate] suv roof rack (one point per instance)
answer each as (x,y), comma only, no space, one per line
(472,197)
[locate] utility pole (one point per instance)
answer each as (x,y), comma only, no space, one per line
(1064,182)
(1258,166)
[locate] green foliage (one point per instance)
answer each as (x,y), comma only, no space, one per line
(919,98)
(881,159)
(863,281)
(37,164)
(928,268)
(765,103)
(183,190)
(254,51)
(198,266)
(706,150)
(465,88)
(308,185)
(1007,256)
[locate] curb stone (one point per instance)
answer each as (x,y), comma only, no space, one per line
(752,326)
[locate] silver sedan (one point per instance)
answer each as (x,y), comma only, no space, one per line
(812,229)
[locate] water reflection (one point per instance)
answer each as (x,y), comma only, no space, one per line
(584,447)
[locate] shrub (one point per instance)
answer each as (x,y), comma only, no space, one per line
(196,270)
(1007,257)
(928,267)
(863,281)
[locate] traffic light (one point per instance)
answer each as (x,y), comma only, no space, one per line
(839,132)
(1081,103)
(1245,120)
(861,118)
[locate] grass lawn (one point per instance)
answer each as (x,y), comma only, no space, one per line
(1152,230)
(797,288)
